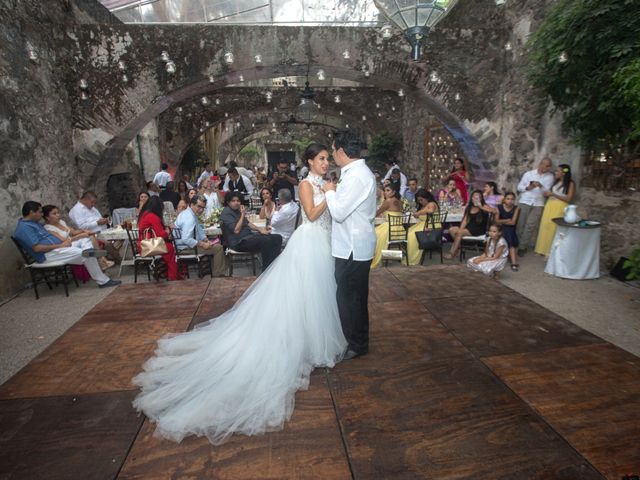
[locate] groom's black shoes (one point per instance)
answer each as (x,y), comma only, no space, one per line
(352,354)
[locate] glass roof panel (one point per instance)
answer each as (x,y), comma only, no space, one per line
(248,12)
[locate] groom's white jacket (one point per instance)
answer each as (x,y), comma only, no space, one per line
(353,210)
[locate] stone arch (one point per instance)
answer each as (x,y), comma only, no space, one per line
(449,120)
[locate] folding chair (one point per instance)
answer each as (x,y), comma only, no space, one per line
(138,260)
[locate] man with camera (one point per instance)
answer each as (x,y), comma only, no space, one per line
(282,178)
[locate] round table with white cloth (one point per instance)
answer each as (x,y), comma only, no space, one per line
(575,250)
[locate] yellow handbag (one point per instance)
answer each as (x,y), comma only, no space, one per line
(153,245)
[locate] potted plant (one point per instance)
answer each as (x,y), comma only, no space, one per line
(632,265)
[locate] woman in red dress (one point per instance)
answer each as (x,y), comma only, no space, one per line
(151,217)
(460,175)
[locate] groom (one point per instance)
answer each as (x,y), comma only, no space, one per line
(352,204)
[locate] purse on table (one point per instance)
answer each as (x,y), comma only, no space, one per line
(429,238)
(152,245)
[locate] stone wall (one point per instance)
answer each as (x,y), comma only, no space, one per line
(619,213)
(38,161)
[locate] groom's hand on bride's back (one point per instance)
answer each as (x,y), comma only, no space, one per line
(329,186)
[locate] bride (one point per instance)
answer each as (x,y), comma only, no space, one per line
(238,373)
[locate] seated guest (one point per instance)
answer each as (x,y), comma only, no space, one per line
(45,247)
(86,216)
(169,195)
(182,206)
(450,196)
(244,236)
(426,204)
(142,199)
(410,192)
(150,218)
(495,254)
(183,187)
(193,236)
(268,206)
(474,222)
(491,194)
(153,189)
(210,194)
(283,220)
(82,239)
(391,206)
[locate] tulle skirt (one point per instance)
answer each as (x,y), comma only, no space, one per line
(238,373)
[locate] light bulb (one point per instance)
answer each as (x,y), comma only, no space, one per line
(83,84)
(337,99)
(320,75)
(122,66)
(563,57)
(164,56)
(125,79)
(171,67)
(508,47)
(228,58)
(258,58)
(386,31)
(211,79)
(346,55)
(401,93)
(204,101)
(217,101)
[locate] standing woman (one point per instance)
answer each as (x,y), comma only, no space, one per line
(460,174)
(558,198)
(391,206)
(427,204)
(183,190)
(151,218)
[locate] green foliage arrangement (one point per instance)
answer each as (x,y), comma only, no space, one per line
(249,153)
(586,58)
(633,264)
(302,144)
(383,146)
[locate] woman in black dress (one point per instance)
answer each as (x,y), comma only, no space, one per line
(474,223)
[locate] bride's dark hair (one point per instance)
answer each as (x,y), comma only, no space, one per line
(312,151)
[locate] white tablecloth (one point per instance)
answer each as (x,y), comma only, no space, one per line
(575,253)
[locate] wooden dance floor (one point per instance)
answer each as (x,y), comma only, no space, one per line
(465,379)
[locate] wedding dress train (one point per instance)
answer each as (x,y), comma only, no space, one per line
(238,373)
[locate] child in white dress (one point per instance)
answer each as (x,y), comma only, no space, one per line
(495,254)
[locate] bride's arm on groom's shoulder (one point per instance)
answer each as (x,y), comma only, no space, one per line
(306,199)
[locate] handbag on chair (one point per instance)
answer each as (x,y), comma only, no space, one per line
(429,238)
(152,246)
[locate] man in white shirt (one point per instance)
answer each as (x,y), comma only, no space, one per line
(532,187)
(237,182)
(162,177)
(391,166)
(352,203)
(283,220)
(206,175)
(86,216)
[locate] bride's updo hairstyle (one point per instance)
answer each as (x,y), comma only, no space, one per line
(312,152)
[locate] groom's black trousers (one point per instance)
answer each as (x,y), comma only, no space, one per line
(352,278)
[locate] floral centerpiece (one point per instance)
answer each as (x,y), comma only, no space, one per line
(406,205)
(212,218)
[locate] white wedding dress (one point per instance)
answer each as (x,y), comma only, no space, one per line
(238,373)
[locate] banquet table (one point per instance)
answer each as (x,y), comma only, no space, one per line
(575,250)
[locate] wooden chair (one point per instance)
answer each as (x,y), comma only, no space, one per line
(398,225)
(190,256)
(436,219)
(138,260)
(45,273)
